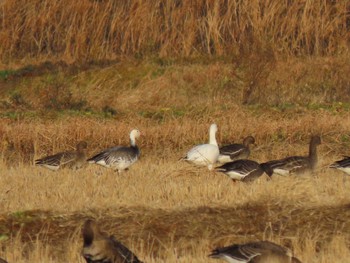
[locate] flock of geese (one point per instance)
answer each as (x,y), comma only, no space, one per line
(232,158)
(99,247)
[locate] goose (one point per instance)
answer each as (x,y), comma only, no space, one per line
(71,159)
(119,158)
(98,247)
(2,260)
(254,252)
(296,164)
(205,154)
(342,165)
(231,152)
(243,170)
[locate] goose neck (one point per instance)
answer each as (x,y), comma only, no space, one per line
(212,138)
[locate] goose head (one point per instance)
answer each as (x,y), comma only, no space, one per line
(81,146)
(249,140)
(134,134)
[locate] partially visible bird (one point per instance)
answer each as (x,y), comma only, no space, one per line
(205,154)
(243,170)
(342,165)
(119,158)
(254,252)
(71,159)
(236,151)
(296,164)
(100,248)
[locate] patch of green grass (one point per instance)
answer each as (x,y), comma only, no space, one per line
(5,74)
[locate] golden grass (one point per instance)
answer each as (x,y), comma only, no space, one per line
(89,30)
(165,210)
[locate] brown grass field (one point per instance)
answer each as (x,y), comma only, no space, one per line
(95,69)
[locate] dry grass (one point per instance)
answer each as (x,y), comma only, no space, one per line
(89,30)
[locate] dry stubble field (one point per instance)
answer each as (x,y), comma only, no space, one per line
(163,209)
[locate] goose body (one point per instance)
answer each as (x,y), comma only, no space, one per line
(119,158)
(71,159)
(242,170)
(205,154)
(236,151)
(100,248)
(255,252)
(296,164)
(342,165)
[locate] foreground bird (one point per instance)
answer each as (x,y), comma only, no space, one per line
(296,164)
(342,165)
(99,248)
(255,252)
(243,170)
(119,158)
(2,260)
(236,151)
(205,154)
(71,159)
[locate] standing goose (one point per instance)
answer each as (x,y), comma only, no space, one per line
(71,159)
(296,164)
(236,151)
(243,170)
(119,158)
(255,252)
(342,165)
(99,248)
(205,154)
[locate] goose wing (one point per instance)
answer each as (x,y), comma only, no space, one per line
(56,160)
(115,155)
(343,163)
(124,252)
(289,165)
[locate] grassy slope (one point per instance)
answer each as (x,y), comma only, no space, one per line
(164,209)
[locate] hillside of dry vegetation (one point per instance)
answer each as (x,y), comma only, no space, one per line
(95,69)
(88,30)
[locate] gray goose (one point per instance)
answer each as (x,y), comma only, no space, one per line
(342,165)
(99,248)
(295,164)
(119,158)
(254,252)
(71,159)
(243,170)
(236,151)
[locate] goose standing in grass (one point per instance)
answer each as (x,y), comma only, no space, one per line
(119,158)
(71,159)
(205,154)
(255,252)
(99,247)
(296,164)
(243,170)
(236,151)
(342,165)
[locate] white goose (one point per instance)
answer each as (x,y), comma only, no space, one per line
(205,154)
(119,158)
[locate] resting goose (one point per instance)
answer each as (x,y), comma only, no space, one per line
(243,170)
(342,165)
(119,158)
(236,151)
(296,164)
(71,159)
(99,247)
(254,252)
(205,154)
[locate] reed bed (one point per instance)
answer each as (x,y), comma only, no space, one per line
(93,30)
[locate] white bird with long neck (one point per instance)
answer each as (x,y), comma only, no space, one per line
(205,154)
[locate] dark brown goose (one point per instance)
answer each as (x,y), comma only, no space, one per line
(236,151)
(255,252)
(100,248)
(296,164)
(243,170)
(71,159)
